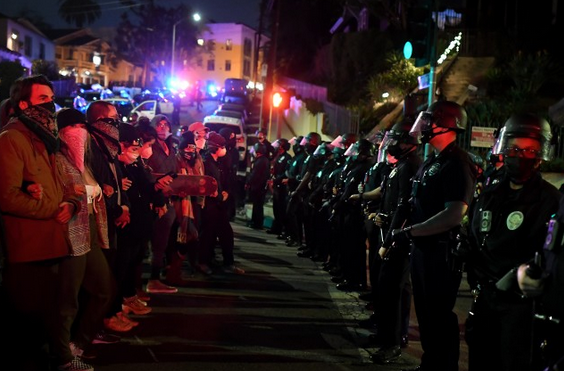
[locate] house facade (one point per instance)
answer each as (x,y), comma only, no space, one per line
(21,41)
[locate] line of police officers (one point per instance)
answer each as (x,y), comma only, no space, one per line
(425,224)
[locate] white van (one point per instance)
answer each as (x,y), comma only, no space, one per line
(216,123)
(150,108)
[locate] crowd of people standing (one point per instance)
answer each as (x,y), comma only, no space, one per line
(99,197)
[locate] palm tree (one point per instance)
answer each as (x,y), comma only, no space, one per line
(79,12)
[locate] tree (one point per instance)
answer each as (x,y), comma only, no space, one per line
(9,72)
(399,79)
(355,57)
(47,68)
(79,12)
(146,39)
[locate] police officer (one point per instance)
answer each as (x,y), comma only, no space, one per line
(256,184)
(393,281)
(295,166)
(296,209)
(353,252)
(311,166)
(373,180)
(507,227)
(443,189)
(331,194)
(319,243)
(279,185)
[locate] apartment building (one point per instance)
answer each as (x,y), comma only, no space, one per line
(231,53)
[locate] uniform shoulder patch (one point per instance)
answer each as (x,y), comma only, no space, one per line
(514,220)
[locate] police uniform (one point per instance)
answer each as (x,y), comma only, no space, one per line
(294,210)
(393,300)
(443,178)
(507,227)
(374,178)
(353,252)
(279,191)
(552,301)
(312,165)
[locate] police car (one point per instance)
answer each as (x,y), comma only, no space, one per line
(216,123)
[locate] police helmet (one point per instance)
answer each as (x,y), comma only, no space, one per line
(281,143)
(400,133)
(349,139)
(312,138)
(322,150)
(445,114)
(525,126)
(363,148)
(260,148)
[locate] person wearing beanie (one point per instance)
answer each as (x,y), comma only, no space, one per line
(200,131)
(103,125)
(162,161)
(190,162)
(215,217)
(86,270)
(145,200)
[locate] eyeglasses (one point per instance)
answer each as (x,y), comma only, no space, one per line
(162,124)
(521,152)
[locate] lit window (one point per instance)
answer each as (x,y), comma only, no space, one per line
(228,44)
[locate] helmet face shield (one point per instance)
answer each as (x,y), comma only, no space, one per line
(276,144)
(382,149)
(323,150)
(535,137)
(423,124)
(293,141)
(338,142)
(352,150)
(503,146)
(304,141)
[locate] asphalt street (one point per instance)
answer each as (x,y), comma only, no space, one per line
(283,314)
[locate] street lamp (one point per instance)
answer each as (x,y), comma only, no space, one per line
(196,17)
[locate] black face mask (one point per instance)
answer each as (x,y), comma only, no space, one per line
(49,106)
(494,159)
(520,170)
(310,148)
(190,157)
(397,151)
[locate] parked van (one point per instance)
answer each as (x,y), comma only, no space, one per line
(216,123)
(150,108)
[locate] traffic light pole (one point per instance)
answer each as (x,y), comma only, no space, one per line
(270,123)
(433,66)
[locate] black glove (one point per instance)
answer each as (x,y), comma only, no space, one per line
(401,237)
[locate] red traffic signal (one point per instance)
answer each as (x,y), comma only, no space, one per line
(281,100)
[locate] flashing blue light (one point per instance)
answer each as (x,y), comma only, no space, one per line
(407,50)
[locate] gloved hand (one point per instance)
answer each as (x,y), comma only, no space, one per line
(401,237)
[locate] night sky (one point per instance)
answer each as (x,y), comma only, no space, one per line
(221,11)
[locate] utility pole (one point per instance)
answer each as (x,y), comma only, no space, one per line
(433,66)
(272,57)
